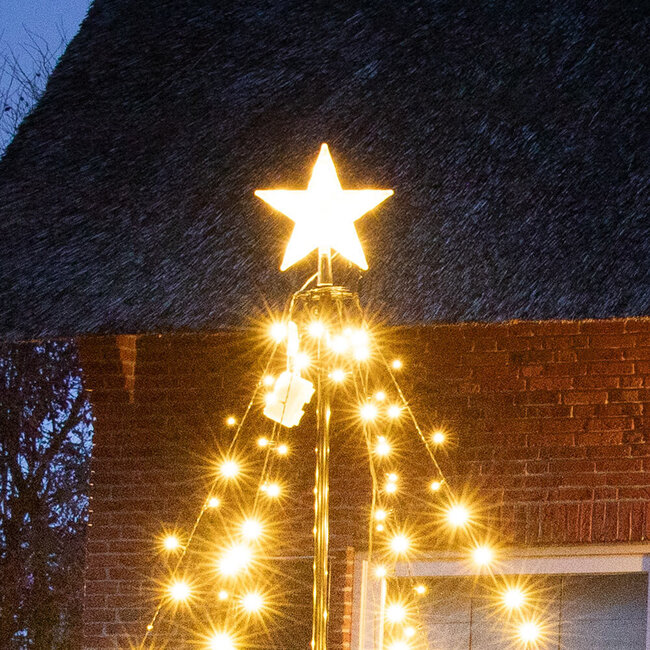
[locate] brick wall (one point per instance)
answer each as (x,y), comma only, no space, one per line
(548,422)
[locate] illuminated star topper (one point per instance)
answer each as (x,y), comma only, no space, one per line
(324,214)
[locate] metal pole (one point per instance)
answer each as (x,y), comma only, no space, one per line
(321,509)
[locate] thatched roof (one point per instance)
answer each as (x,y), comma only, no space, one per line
(511,134)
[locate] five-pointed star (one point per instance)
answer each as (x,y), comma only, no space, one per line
(324,214)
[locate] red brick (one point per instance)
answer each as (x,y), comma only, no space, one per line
(585,397)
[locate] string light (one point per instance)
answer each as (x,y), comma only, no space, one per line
(339,344)
(458,516)
(482,555)
(392,477)
(397,364)
(435,486)
(278,332)
(316,329)
(283,450)
(380,514)
(390,487)
(301,361)
(223,595)
(361,354)
(234,560)
(380,396)
(268,380)
(231,421)
(395,613)
(529,632)
(263,442)
(251,529)
(337,375)
(214,502)
(380,572)
(409,632)
(179,591)
(420,590)
(438,437)
(382,448)
(222,641)
(229,468)
(514,598)
(400,543)
(270,398)
(368,412)
(273,490)
(171,543)
(252,602)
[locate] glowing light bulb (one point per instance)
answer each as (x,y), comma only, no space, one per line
(337,375)
(394,411)
(222,641)
(392,477)
(379,528)
(278,332)
(214,502)
(252,602)
(234,560)
(528,631)
(397,364)
(395,613)
(380,396)
(400,544)
(380,515)
(283,450)
(458,516)
(316,329)
(514,598)
(382,448)
(420,590)
(231,421)
(251,529)
(273,490)
(268,380)
(339,344)
(435,485)
(229,468)
(380,572)
(150,627)
(223,595)
(368,412)
(482,555)
(179,591)
(263,442)
(361,353)
(438,437)
(409,632)
(171,543)
(390,488)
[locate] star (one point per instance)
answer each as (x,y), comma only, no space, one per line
(324,214)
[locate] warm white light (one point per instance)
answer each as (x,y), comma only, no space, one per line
(301,361)
(458,516)
(394,411)
(397,364)
(514,598)
(339,344)
(380,515)
(337,375)
(382,448)
(379,528)
(283,450)
(316,329)
(392,477)
(398,645)
(380,396)
(395,613)
(214,502)
(231,421)
(420,590)
(278,332)
(270,398)
(268,380)
(380,572)
(252,602)
(251,529)
(435,486)
(529,631)
(222,641)
(368,412)
(273,490)
(400,543)
(361,354)
(482,555)
(171,543)
(263,442)
(223,595)
(179,591)
(234,560)
(390,487)
(229,468)
(438,437)
(409,632)
(324,213)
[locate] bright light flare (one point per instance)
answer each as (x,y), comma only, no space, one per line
(171,543)
(278,332)
(229,468)
(301,361)
(368,412)
(458,516)
(252,602)
(438,437)
(222,641)
(395,613)
(380,514)
(399,645)
(435,486)
(214,502)
(282,450)
(400,544)
(390,487)
(394,411)
(514,598)
(420,590)
(234,560)
(316,329)
(397,364)
(179,591)
(337,375)
(529,632)
(382,448)
(482,556)
(273,490)
(251,529)
(223,595)
(380,572)
(263,442)
(380,396)
(231,421)
(268,380)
